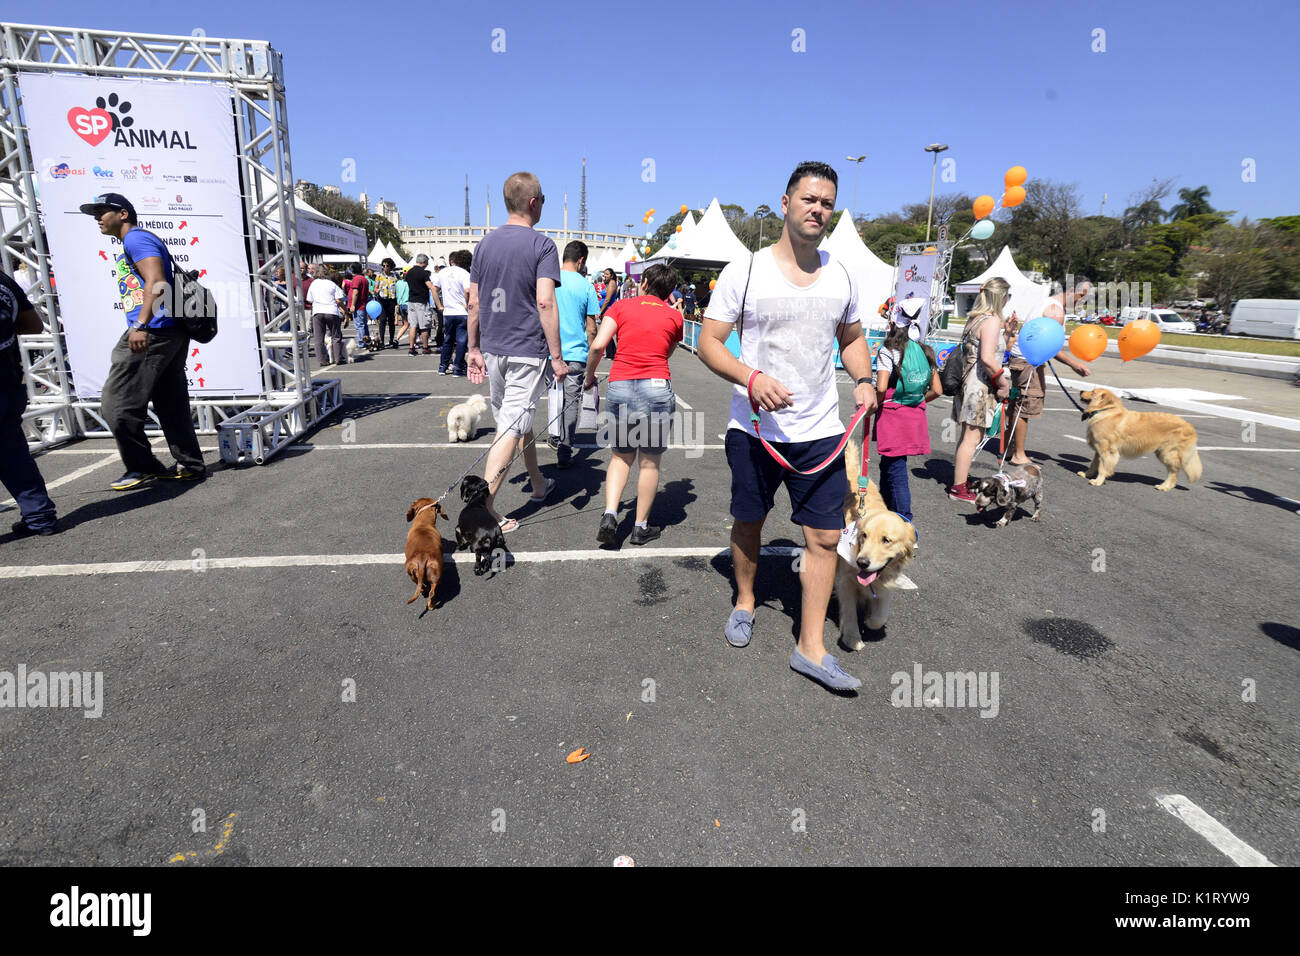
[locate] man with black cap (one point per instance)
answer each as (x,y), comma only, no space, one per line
(148,362)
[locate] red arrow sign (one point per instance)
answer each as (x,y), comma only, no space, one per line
(194,241)
(200,383)
(202,273)
(102,255)
(194,353)
(199,366)
(183,223)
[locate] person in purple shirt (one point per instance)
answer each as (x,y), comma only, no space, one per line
(514,332)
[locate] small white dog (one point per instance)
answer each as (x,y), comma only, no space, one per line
(462,420)
(344,342)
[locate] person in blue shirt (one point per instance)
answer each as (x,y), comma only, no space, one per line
(578,306)
(148,362)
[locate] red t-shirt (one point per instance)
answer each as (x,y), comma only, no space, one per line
(363,291)
(647,331)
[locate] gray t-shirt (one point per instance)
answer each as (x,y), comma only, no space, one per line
(507,265)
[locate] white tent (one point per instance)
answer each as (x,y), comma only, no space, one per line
(710,244)
(629,252)
(1027,296)
(875,277)
(314,227)
(392,254)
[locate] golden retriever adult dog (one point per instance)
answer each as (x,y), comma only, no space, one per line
(886,541)
(1114,433)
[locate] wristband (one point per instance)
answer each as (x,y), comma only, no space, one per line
(864,381)
(749,386)
(994,379)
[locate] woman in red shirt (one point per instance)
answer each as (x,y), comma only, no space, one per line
(640,399)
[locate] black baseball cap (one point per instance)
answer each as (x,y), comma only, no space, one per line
(107,201)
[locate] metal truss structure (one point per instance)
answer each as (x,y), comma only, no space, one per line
(252,428)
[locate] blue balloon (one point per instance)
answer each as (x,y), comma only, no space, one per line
(1040,339)
(982,229)
(374,309)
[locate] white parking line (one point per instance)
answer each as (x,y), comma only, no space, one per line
(463,444)
(109,457)
(1215,447)
(1219,836)
(904,583)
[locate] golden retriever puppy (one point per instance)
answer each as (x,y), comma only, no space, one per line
(884,542)
(1114,433)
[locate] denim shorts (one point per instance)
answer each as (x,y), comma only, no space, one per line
(640,414)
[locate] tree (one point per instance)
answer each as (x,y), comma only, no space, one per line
(1145,207)
(354,213)
(1195,202)
(1234,263)
(1045,226)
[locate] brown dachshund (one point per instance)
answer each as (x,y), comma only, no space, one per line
(424,548)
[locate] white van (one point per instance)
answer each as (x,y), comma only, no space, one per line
(1274,318)
(1166,320)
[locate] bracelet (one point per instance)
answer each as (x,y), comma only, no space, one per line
(749,386)
(993,380)
(864,381)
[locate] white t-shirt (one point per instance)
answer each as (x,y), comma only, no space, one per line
(452,284)
(789,333)
(324,297)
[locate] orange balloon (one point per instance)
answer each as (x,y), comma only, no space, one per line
(1015,176)
(683,209)
(1138,338)
(651,212)
(712,283)
(1088,342)
(983,206)
(679,229)
(1013,196)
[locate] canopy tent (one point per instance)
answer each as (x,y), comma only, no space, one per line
(710,244)
(1027,296)
(875,277)
(384,250)
(317,232)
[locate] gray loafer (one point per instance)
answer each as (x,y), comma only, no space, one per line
(740,628)
(828,673)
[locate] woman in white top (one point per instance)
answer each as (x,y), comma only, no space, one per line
(325,300)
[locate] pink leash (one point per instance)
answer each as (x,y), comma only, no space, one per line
(859,416)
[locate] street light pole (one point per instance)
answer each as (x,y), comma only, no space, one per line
(935,148)
(853,213)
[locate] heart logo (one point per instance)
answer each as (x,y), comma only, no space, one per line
(91,125)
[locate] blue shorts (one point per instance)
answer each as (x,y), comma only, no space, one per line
(816,501)
(640,414)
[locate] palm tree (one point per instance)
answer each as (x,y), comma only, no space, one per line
(1195,202)
(1147,214)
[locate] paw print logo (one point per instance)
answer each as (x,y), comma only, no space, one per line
(114,107)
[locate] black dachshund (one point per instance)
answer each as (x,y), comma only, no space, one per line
(477,530)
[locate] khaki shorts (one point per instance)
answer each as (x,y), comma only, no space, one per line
(1032,383)
(517,385)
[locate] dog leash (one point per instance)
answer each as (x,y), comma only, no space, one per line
(1063,388)
(859,416)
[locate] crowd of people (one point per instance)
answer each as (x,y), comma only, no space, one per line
(544,322)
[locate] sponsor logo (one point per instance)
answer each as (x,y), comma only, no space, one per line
(103,173)
(130,175)
(146,168)
(191,179)
(63,171)
(150,202)
(218,180)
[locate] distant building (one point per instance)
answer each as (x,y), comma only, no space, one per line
(331,191)
(389,211)
(365,201)
(302,187)
(439,241)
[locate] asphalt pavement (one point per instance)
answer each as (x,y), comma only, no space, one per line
(260,663)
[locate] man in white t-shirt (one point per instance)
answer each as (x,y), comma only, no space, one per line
(793,302)
(324,300)
(450,292)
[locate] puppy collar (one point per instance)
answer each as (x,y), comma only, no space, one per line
(1010,482)
(423,508)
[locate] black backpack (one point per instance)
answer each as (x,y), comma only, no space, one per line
(951,376)
(188,301)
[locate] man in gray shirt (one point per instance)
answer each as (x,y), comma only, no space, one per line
(514,332)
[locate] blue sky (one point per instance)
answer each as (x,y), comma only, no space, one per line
(1184,89)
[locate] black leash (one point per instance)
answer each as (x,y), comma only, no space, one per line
(1063,388)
